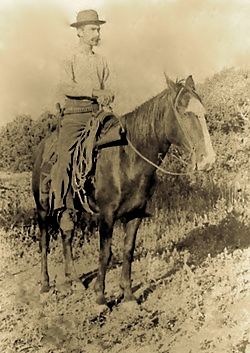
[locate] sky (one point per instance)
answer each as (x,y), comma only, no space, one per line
(140,40)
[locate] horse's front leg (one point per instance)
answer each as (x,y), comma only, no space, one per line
(67,227)
(105,233)
(44,249)
(131,228)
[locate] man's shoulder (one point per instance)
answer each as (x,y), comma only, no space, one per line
(72,51)
(68,56)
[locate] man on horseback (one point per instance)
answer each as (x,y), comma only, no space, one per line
(83,86)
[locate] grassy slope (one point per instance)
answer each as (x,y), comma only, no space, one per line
(191,275)
(191,269)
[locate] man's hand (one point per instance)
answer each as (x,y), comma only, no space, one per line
(104,96)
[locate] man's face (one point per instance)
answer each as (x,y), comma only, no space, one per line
(90,34)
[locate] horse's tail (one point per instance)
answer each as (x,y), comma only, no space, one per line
(36,171)
(40,183)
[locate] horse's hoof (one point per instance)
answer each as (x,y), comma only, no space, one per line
(68,281)
(64,289)
(130,307)
(77,286)
(97,312)
(45,288)
(100,300)
(130,298)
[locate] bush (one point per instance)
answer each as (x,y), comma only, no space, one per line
(226,97)
(19,139)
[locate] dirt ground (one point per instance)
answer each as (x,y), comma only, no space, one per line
(193,297)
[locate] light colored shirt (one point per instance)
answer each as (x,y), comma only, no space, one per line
(82,73)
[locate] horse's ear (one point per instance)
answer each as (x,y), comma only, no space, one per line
(190,82)
(169,82)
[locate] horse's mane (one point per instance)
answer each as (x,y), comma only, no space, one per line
(141,121)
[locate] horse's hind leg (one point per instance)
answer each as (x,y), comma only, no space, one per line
(105,231)
(67,227)
(44,248)
(131,228)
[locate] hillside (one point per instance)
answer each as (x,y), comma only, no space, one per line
(191,270)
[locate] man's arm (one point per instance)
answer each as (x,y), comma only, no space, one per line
(105,95)
(67,81)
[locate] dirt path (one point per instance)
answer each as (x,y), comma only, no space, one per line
(190,302)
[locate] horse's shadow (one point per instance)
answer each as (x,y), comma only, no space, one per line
(212,239)
(208,240)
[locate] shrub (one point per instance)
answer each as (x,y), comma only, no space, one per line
(19,139)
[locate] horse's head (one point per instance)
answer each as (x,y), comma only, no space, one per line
(190,128)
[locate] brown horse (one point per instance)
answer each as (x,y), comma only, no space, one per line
(124,179)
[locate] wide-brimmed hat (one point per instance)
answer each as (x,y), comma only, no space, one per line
(87,17)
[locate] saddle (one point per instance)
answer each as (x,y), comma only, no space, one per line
(103,131)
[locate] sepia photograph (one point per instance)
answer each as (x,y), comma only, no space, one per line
(124,176)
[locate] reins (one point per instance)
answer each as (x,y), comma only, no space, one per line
(163,170)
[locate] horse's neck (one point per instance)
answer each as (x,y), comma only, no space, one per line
(146,129)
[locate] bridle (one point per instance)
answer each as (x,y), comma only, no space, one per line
(178,117)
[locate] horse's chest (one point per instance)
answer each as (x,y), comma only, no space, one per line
(134,192)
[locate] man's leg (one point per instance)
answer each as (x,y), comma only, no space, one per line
(71,128)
